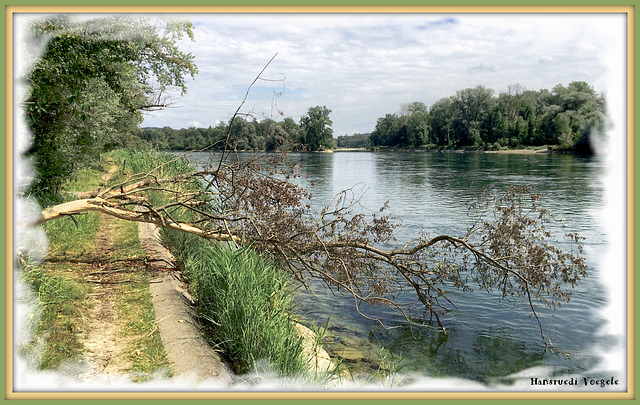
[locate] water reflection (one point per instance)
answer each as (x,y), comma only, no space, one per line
(488,354)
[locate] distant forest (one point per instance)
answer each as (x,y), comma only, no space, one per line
(473,118)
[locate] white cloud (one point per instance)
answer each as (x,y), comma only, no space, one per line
(363,66)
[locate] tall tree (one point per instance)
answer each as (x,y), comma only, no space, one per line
(417,123)
(571,114)
(316,126)
(442,114)
(88,89)
(386,131)
(473,106)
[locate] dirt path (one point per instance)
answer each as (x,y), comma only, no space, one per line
(102,343)
(106,354)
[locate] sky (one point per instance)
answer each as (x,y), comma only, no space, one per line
(363,66)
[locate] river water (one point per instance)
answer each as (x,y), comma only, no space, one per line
(489,340)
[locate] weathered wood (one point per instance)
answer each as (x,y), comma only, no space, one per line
(101,205)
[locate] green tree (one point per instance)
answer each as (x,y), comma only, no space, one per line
(354,141)
(417,123)
(386,131)
(494,126)
(472,106)
(517,106)
(242,131)
(316,127)
(570,115)
(89,88)
(442,115)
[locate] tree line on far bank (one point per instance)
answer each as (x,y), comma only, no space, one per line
(90,87)
(314,132)
(563,118)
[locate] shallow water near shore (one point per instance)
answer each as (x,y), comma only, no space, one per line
(489,339)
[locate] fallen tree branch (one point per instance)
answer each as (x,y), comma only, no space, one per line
(105,207)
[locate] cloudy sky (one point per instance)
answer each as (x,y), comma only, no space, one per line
(363,66)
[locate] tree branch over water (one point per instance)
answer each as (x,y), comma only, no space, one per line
(506,247)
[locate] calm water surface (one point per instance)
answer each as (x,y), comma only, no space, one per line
(488,339)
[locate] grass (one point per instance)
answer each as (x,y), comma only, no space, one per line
(87,178)
(72,238)
(137,325)
(57,310)
(60,292)
(126,243)
(243,296)
(62,295)
(149,161)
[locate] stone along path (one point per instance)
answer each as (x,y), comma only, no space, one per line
(189,353)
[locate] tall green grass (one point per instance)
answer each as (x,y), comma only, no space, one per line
(60,306)
(160,164)
(248,301)
(72,238)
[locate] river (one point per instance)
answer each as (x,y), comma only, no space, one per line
(489,340)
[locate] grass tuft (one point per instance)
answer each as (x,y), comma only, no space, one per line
(72,238)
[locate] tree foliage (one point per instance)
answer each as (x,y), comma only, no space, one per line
(565,118)
(95,78)
(316,127)
(354,141)
(244,135)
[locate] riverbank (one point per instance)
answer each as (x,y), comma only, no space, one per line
(94,334)
(461,150)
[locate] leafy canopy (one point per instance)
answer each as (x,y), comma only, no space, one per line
(90,86)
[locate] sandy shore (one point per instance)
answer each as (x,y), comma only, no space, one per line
(519,151)
(503,151)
